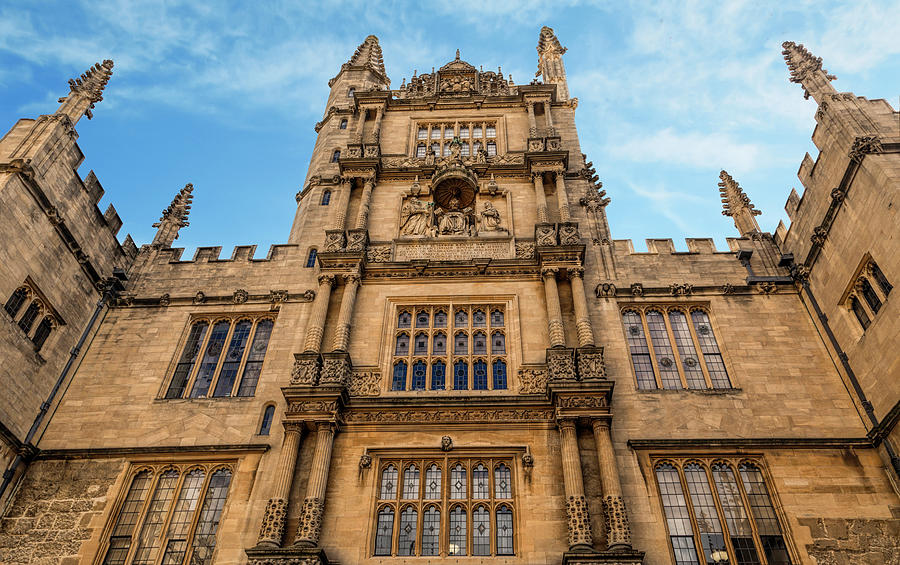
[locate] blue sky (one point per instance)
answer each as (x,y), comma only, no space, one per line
(225,95)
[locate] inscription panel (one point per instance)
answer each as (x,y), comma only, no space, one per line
(459,250)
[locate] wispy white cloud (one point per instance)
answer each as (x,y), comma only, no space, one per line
(691,149)
(668,203)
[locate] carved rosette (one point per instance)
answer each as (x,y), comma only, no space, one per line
(336,371)
(310,521)
(272,529)
(591,365)
(561,364)
(579,521)
(618,532)
(525,250)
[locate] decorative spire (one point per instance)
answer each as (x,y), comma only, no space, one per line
(85,91)
(737,205)
(368,54)
(174,218)
(550,63)
(806,70)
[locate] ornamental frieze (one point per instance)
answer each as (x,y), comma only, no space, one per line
(446,416)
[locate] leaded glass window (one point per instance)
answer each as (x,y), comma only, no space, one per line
(478,499)
(491,131)
(15,302)
(169,515)
(420,150)
(868,293)
(266,424)
(30,315)
(491,148)
(422,134)
(427,352)
(234,347)
(326,198)
(878,275)
(311,258)
(681,352)
(861,315)
(42,333)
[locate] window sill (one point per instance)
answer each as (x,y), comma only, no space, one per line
(702,391)
(205,399)
(23,336)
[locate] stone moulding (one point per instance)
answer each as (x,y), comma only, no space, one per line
(240,297)
(445,416)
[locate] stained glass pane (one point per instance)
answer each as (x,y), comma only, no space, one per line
(736,518)
(460,375)
(479,373)
(210,359)
(498,343)
(255,358)
(502,482)
(399,379)
(421,346)
(440,319)
(481,531)
(422,319)
(665,358)
(457,532)
(461,318)
(439,344)
(480,482)
(402,345)
(678,519)
(438,375)
(229,370)
(479,319)
(499,369)
(404,319)
(711,354)
(418,376)
(640,353)
(433,483)
(461,344)
(411,482)
(504,531)
(383,531)
(479,343)
(407,538)
(389,483)
(431,531)
(497,318)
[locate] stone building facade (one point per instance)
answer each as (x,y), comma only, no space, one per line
(451,359)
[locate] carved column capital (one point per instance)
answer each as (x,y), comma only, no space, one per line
(351,278)
(600,424)
(575,273)
(566,424)
(326,279)
(549,272)
(293,428)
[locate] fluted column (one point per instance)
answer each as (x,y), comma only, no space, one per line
(362,218)
(360,123)
(579,521)
(549,116)
(562,198)
(540,198)
(379,115)
(579,298)
(314,504)
(340,218)
(342,333)
(532,124)
(618,532)
(315,327)
(272,530)
(554,313)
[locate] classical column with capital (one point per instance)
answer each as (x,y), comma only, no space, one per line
(316,325)
(342,332)
(271,531)
(314,504)
(579,521)
(562,197)
(582,316)
(618,531)
(540,198)
(343,204)
(554,313)
(532,123)
(362,217)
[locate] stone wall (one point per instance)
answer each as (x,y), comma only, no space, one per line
(840,542)
(57,508)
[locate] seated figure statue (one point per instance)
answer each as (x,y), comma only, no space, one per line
(453,221)
(490,218)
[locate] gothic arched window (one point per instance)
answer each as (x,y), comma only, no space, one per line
(422,319)
(406,543)
(422,134)
(665,357)
(433,482)
(868,293)
(460,375)
(499,369)
(438,375)
(233,357)
(411,482)
(404,319)
(30,315)
(640,353)
(389,477)
(498,343)
(268,416)
(420,150)
(440,319)
(491,130)
(479,343)
(460,343)
(42,332)
(311,258)
(402,344)
(421,344)
(690,363)
(861,315)
(336,156)
(458,482)
(480,482)
(502,482)
(253,366)
(326,197)
(16,300)
(491,148)
(481,531)
(886,286)
(458,530)
(384,531)
(399,380)
(188,358)
(431,531)
(461,318)
(504,530)
(479,374)
(210,359)
(712,356)
(496,318)
(464,132)
(418,376)
(479,318)
(343,123)
(439,344)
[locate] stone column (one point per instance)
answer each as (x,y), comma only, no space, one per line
(554,313)
(582,317)
(379,115)
(272,530)
(343,203)
(362,218)
(618,532)
(576,506)
(314,504)
(540,199)
(360,123)
(562,198)
(548,115)
(532,124)
(315,327)
(342,332)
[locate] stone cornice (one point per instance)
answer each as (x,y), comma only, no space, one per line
(749,443)
(113,452)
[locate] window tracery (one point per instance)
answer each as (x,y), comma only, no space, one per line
(216,351)
(169,514)
(720,505)
(473,136)
(477,500)
(37,320)
(478,348)
(867,292)
(669,351)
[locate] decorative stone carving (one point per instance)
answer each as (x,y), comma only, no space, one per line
(240,296)
(312,406)
(727,288)
(800,273)
(305,370)
(561,364)
(309,295)
(165,299)
(527,460)
(334,241)
(417,217)
(441,416)
(524,250)
(605,290)
(365,383)
(336,370)
(637,289)
(446,443)
(535,145)
(494,248)
(618,532)
(579,521)
(681,289)
(545,235)
(310,521)
(272,529)
(838,195)
(864,145)
(279,296)
(581,402)
(490,218)
(766,288)
(590,364)
(455,219)
(200,297)
(356,240)
(532,381)
(508,159)
(365,461)
(568,234)
(820,233)
(378,254)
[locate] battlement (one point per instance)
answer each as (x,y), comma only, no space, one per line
(695,246)
(278,252)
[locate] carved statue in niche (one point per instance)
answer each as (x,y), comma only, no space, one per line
(481,157)
(453,220)
(416,217)
(490,218)
(429,158)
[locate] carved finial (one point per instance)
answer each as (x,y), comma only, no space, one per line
(737,205)
(550,63)
(368,54)
(174,217)
(806,70)
(85,91)
(457,55)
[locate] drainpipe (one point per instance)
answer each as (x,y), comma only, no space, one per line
(111,287)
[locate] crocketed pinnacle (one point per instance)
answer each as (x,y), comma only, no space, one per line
(550,64)
(174,217)
(548,41)
(737,205)
(86,90)
(806,70)
(368,54)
